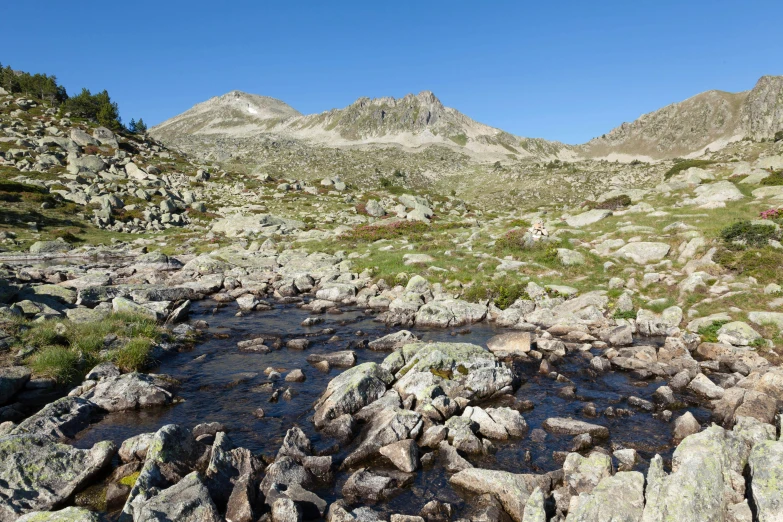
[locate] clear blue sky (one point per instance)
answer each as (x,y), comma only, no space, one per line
(565,71)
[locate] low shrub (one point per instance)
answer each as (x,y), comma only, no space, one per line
(615,203)
(746,233)
(502,291)
(765,264)
(773,180)
(684,164)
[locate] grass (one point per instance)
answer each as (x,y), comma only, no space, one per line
(684,164)
(709,333)
(765,264)
(502,291)
(774,179)
(65,351)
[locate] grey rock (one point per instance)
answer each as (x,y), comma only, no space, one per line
(187,501)
(38,474)
(131,391)
(351,391)
(12,379)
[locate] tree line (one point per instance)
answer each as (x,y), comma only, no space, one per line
(98,107)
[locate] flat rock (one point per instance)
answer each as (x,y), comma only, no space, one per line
(569,426)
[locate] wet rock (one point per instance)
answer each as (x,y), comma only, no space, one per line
(392,341)
(12,379)
(295,376)
(131,391)
(297,344)
(38,474)
(627,459)
(351,391)
(135,448)
(766,477)
(403,454)
(510,344)
(511,489)
(187,500)
(61,419)
(487,508)
(341,359)
(365,485)
(569,426)
(387,427)
(617,499)
(686,424)
(226,465)
(436,511)
(69,514)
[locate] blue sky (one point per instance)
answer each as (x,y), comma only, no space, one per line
(566,71)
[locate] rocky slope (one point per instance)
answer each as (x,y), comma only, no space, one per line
(709,120)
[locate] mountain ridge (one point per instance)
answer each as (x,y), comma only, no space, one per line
(706,121)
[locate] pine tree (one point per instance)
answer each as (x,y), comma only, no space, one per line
(141,127)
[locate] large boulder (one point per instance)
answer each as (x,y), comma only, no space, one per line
(388,426)
(588,218)
(69,514)
(715,195)
(132,391)
(706,478)
(37,474)
(351,391)
(61,419)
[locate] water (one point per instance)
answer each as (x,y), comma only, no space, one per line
(221,384)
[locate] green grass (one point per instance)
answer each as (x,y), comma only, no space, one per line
(502,291)
(709,333)
(630,314)
(65,351)
(774,179)
(684,164)
(765,264)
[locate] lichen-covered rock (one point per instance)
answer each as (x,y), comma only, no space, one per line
(706,478)
(766,480)
(388,426)
(38,474)
(618,498)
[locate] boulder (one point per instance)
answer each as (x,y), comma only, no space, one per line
(38,474)
(569,426)
(511,489)
(643,252)
(12,379)
(510,344)
(618,498)
(61,419)
(588,218)
(186,501)
(766,480)
(392,341)
(351,391)
(132,391)
(582,474)
(69,514)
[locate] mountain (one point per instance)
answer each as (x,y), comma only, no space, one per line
(709,120)
(412,122)
(238,125)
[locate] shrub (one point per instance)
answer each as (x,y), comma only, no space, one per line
(628,314)
(772,214)
(615,203)
(502,291)
(745,233)
(774,179)
(684,164)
